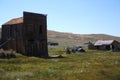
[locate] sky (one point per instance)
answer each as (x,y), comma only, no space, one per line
(73,16)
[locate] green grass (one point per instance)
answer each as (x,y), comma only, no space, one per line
(91,65)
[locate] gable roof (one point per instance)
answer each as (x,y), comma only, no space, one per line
(103,42)
(14,21)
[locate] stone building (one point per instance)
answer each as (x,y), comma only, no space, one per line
(26,35)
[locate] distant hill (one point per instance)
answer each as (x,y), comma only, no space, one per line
(70,39)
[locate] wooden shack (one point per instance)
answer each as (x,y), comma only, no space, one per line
(53,43)
(91,46)
(26,35)
(107,45)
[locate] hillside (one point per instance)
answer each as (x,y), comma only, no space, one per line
(70,39)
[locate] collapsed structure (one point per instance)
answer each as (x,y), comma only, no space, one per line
(26,35)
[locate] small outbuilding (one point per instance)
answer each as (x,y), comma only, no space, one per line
(107,45)
(53,43)
(90,45)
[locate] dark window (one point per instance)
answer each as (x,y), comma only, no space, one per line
(40,29)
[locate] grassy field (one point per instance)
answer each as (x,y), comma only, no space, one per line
(91,65)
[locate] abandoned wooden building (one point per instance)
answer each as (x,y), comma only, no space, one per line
(90,45)
(53,43)
(107,45)
(26,35)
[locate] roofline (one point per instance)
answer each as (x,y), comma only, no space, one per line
(34,13)
(7,23)
(12,21)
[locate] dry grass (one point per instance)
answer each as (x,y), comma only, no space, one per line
(92,65)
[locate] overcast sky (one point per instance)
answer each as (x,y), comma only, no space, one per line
(75,16)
